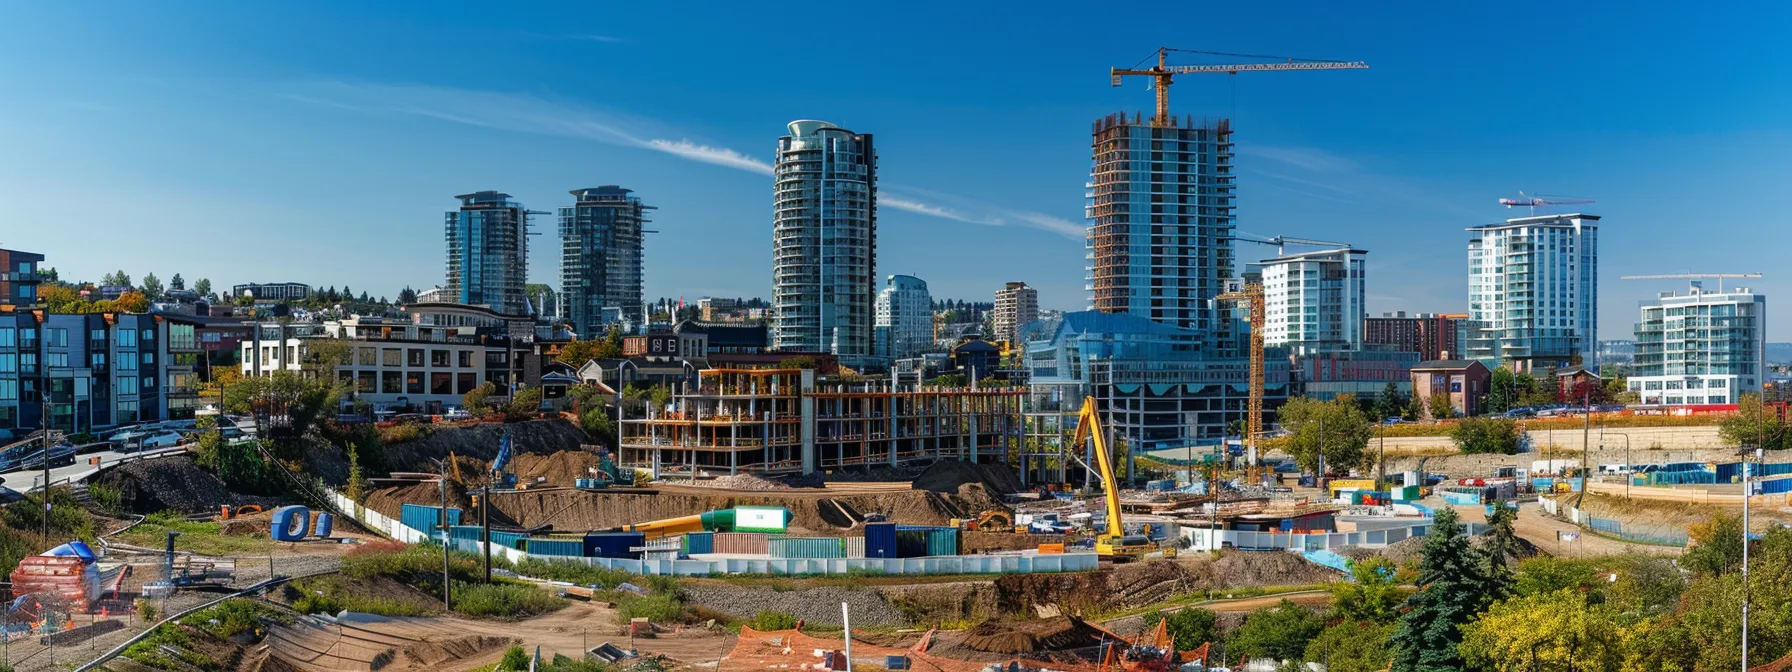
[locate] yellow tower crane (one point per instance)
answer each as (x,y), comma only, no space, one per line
(1163,74)
(1251,295)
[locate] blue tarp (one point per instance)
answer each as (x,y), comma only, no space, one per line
(77,549)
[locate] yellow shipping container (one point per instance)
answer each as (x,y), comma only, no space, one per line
(1358,483)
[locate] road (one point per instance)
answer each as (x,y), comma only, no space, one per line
(30,480)
(1534,526)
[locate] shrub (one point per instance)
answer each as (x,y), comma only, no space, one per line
(772,620)
(515,658)
(403,433)
(109,498)
(1486,435)
(658,607)
(508,600)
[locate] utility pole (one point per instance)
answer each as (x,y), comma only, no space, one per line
(485,523)
(442,513)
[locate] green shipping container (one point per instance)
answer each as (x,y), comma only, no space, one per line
(571,548)
(806,547)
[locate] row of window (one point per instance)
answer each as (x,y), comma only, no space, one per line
(419,382)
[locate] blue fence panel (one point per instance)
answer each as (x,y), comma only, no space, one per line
(1606,525)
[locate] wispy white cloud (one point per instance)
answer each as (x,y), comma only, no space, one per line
(577,37)
(1351,180)
(1304,158)
(522,113)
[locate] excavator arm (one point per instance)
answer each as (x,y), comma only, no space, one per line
(1088,423)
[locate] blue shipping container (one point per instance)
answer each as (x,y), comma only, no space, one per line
(911,543)
(699,542)
(806,547)
(880,540)
(571,548)
(426,518)
(509,539)
(614,544)
(1774,486)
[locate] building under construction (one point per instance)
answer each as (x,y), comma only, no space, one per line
(785,421)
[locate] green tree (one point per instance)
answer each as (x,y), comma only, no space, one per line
(1373,596)
(1716,545)
(407,296)
(1281,632)
(1486,435)
(357,483)
(797,362)
(596,422)
(1439,406)
(1452,590)
(244,300)
(1502,391)
(1338,427)
(1548,631)
(1747,427)
(152,286)
(1351,646)
(203,287)
(525,404)
(577,353)
(1389,403)
(1415,407)
(1189,627)
(116,279)
(660,395)
(1499,549)
(475,399)
(175,283)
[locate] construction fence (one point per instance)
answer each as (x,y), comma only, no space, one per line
(1611,527)
(1207,540)
(957,564)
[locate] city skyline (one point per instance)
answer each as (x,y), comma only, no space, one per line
(225,129)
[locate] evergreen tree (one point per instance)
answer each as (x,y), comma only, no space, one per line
(204,286)
(1452,590)
(1389,403)
(152,287)
(177,283)
(1499,547)
(407,295)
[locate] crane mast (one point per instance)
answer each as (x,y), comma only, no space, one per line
(1251,295)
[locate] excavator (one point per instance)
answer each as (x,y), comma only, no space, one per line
(1113,544)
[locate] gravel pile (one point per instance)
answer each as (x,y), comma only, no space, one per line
(820,605)
(173,483)
(744,482)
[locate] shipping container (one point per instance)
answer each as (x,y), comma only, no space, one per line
(426,519)
(780,546)
(614,544)
(1406,493)
(911,543)
(509,539)
(880,540)
(1051,549)
(1774,486)
(740,543)
(699,542)
(855,547)
(571,548)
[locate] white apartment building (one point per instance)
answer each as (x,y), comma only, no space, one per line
(1700,347)
(1016,304)
(824,240)
(1314,301)
(394,363)
(904,318)
(1533,286)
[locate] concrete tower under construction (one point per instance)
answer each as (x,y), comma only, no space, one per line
(824,240)
(1160,199)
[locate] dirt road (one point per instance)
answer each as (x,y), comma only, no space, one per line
(1534,526)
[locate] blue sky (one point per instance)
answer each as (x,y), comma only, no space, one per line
(321,142)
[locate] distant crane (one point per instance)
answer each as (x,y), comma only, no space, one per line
(1281,241)
(1693,276)
(1534,200)
(1163,74)
(1251,295)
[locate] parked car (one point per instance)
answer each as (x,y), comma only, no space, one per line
(457,413)
(165,439)
(59,455)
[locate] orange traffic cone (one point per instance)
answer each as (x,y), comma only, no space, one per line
(103,613)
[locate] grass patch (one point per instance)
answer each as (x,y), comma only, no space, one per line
(333,594)
(149,650)
(202,537)
(234,617)
(1196,599)
(507,600)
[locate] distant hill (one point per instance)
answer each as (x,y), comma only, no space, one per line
(1779,353)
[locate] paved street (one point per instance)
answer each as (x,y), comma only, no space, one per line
(27,481)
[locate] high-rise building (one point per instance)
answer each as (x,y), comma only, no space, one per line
(904,318)
(1434,336)
(1701,347)
(18,277)
(600,256)
(824,240)
(1314,301)
(488,252)
(1016,304)
(1160,201)
(1533,285)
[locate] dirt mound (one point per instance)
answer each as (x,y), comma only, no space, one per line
(536,437)
(1048,634)
(948,475)
(390,501)
(1121,587)
(1270,568)
(173,483)
(254,525)
(813,512)
(559,468)
(431,654)
(982,542)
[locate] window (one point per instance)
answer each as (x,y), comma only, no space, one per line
(127,338)
(149,335)
(1717,384)
(391,357)
(28,362)
(57,359)
(9,363)
(413,381)
(414,357)
(127,363)
(441,382)
(149,358)
(364,356)
(98,336)
(391,382)
(28,337)
(9,389)
(8,337)
(438,359)
(127,384)
(97,360)
(466,359)
(465,382)
(57,336)
(366,381)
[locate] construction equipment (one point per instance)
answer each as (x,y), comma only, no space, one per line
(1694,276)
(739,519)
(1535,200)
(993,520)
(1251,295)
(1113,544)
(1163,74)
(1281,242)
(502,476)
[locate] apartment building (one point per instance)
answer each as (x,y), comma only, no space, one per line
(904,318)
(1704,346)
(1434,336)
(19,277)
(1314,301)
(1016,304)
(601,239)
(1160,202)
(488,252)
(272,291)
(824,240)
(93,371)
(1534,292)
(787,421)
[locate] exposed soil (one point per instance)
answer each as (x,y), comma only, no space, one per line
(480,442)
(947,475)
(173,483)
(973,541)
(1028,636)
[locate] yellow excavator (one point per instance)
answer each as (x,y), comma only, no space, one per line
(1113,544)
